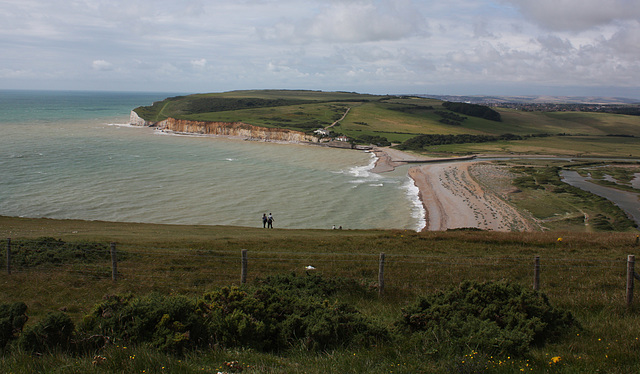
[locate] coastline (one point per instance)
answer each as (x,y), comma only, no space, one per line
(452,197)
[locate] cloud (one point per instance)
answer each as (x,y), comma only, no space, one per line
(355,45)
(199,64)
(102,65)
(15,73)
(577,15)
(548,60)
(354,21)
(555,45)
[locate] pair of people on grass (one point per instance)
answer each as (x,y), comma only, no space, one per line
(267,221)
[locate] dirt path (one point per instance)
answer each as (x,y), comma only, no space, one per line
(341,118)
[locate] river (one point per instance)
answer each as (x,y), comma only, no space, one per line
(627,201)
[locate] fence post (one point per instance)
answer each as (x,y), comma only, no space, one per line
(381,275)
(637,240)
(114,263)
(9,256)
(536,273)
(243,271)
(631,261)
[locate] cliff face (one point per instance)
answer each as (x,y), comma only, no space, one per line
(231,129)
(134,119)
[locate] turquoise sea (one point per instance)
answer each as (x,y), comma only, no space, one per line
(72,155)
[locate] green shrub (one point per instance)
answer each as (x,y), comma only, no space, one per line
(277,313)
(270,318)
(12,320)
(378,140)
(55,331)
(494,318)
(312,284)
(51,251)
(167,322)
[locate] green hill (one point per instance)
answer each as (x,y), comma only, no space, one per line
(400,118)
(161,268)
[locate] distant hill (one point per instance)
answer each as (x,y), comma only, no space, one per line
(383,119)
(534,99)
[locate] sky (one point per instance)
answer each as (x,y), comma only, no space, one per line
(452,47)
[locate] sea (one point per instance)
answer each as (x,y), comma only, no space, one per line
(73,155)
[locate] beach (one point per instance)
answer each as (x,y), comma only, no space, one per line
(464,194)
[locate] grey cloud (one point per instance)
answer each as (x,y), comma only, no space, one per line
(577,15)
(326,44)
(555,44)
(547,60)
(626,42)
(352,22)
(102,65)
(481,30)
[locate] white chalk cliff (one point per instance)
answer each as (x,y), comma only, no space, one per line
(229,129)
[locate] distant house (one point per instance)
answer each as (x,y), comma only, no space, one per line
(322,132)
(343,138)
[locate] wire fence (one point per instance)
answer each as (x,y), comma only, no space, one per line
(589,280)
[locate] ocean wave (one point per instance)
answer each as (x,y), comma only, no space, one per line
(121,125)
(364,171)
(417,209)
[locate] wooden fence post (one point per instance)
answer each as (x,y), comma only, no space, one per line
(243,271)
(631,262)
(114,262)
(9,256)
(536,273)
(381,275)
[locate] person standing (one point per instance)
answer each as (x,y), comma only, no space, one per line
(270,221)
(264,220)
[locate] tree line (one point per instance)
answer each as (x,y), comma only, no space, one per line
(421,142)
(473,110)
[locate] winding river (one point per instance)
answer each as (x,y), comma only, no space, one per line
(627,201)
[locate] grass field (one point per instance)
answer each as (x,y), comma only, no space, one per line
(582,272)
(570,146)
(401,118)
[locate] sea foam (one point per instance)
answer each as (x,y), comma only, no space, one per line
(417,208)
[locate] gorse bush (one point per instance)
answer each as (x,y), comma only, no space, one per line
(310,284)
(285,311)
(494,318)
(12,319)
(271,319)
(55,331)
(167,322)
(51,251)
(273,315)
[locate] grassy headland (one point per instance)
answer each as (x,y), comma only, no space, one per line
(398,119)
(581,273)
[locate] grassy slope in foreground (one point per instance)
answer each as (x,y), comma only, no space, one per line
(583,273)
